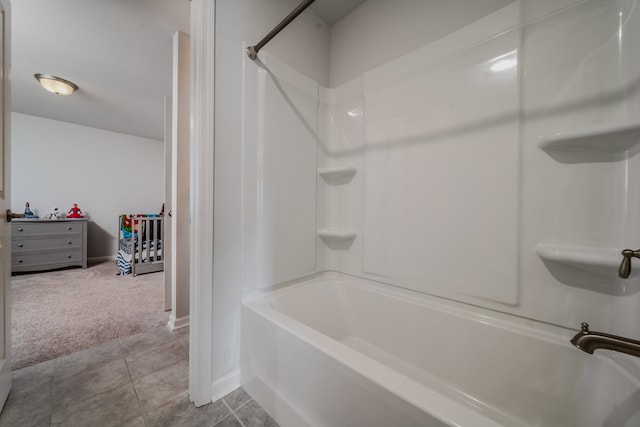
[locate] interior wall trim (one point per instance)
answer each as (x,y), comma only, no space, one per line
(177,323)
(225,385)
(201,200)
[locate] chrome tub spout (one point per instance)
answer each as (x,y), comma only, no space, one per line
(589,341)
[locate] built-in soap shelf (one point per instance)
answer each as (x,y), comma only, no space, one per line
(602,261)
(338,175)
(337,233)
(618,137)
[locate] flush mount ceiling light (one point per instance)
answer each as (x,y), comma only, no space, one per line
(56,85)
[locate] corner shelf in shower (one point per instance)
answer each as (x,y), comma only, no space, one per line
(602,261)
(338,175)
(617,137)
(337,233)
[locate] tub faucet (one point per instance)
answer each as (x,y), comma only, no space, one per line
(589,341)
(625,266)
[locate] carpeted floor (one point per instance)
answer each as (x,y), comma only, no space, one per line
(60,312)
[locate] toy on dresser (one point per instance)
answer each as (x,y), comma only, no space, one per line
(28,213)
(54,214)
(75,212)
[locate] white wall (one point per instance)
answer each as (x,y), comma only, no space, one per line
(57,164)
(304,46)
(381,30)
(180,175)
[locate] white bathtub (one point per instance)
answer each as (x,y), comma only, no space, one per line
(334,351)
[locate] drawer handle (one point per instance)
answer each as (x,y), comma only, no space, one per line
(68,256)
(19,260)
(20,229)
(68,228)
(19,245)
(69,242)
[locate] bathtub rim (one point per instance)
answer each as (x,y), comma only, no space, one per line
(438,405)
(441,406)
(548,332)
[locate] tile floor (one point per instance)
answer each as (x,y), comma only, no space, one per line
(136,381)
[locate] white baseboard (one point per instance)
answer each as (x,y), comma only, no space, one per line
(225,385)
(174,323)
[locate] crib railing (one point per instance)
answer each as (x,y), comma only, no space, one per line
(147,242)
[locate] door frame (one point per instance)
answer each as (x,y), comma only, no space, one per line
(168,197)
(5,197)
(201,200)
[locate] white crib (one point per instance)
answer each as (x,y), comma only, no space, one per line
(140,244)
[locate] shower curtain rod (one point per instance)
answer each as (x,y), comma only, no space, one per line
(252,51)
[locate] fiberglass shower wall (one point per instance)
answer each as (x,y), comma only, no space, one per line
(580,165)
(495,164)
(280,172)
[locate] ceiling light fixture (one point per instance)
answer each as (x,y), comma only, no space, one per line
(56,85)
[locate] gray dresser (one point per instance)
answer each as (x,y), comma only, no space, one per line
(40,244)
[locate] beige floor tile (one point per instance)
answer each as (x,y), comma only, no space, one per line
(180,412)
(146,340)
(155,358)
(89,382)
(163,385)
(113,408)
(75,362)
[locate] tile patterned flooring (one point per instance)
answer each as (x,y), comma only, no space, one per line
(135,381)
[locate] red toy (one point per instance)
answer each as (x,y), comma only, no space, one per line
(75,212)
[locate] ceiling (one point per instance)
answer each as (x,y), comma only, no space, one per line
(119,53)
(334,10)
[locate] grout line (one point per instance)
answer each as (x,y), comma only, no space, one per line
(232,412)
(249,400)
(135,390)
(227,405)
(238,419)
(184,345)
(229,408)
(130,376)
(51,413)
(230,415)
(55,369)
(168,400)
(150,409)
(51,389)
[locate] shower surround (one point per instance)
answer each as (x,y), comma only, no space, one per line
(487,169)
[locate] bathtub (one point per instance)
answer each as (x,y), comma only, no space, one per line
(337,351)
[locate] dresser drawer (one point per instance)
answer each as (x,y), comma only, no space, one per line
(44,228)
(39,245)
(71,256)
(28,243)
